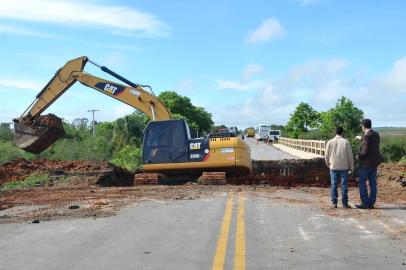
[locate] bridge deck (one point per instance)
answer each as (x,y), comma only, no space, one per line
(263,151)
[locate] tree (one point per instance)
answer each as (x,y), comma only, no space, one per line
(344,114)
(6,134)
(277,127)
(303,118)
(182,108)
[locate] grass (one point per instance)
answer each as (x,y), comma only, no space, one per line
(391,131)
(32,180)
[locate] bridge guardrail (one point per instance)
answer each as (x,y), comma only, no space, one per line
(310,146)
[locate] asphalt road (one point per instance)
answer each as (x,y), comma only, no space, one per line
(240,231)
(263,151)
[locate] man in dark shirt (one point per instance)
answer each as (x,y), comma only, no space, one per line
(369,158)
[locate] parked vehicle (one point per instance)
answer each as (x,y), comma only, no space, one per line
(233,131)
(273,135)
(250,132)
(261,132)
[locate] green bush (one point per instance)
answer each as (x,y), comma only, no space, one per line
(6,134)
(128,157)
(72,149)
(9,152)
(393,148)
(315,135)
(32,180)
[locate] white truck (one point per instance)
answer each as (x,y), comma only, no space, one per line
(274,135)
(261,132)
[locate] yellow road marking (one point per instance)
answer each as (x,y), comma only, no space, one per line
(218,262)
(239,259)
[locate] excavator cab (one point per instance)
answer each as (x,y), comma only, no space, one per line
(169,148)
(166,142)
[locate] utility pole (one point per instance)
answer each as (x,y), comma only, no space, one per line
(94,131)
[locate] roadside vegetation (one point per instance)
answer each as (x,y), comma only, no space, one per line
(307,123)
(33,180)
(118,141)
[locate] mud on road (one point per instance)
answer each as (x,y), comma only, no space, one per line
(50,203)
(79,189)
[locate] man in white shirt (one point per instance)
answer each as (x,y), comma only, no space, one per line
(340,160)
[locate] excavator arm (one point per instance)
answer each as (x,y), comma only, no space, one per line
(34,133)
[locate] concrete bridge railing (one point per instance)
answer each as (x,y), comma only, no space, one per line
(311,146)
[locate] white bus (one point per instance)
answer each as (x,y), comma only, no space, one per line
(261,132)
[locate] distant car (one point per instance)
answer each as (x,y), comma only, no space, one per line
(223,130)
(221,133)
(233,131)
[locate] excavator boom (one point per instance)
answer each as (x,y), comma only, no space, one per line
(35,133)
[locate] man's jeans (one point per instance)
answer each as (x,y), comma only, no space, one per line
(335,176)
(370,175)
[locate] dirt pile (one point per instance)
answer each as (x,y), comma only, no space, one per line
(36,135)
(288,173)
(94,172)
(392,173)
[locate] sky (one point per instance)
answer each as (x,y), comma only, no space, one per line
(245,62)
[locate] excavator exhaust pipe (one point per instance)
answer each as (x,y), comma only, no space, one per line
(37,135)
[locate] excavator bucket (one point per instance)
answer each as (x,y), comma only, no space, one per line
(35,136)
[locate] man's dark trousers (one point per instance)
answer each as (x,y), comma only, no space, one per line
(370,175)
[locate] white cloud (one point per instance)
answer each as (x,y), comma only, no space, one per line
(84,12)
(237,85)
(186,85)
(252,70)
(305,2)
(318,69)
(395,79)
(9,29)
(21,84)
(269,29)
(246,82)
(270,96)
(122,110)
(321,83)
(119,47)
(331,91)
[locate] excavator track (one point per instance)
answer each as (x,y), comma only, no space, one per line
(207,178)
(146,179)
(213,178)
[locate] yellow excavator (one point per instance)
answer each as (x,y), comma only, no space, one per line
(168,148)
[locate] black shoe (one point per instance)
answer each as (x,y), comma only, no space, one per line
(346,206)
(371,206)
(334,205)
(361,206)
